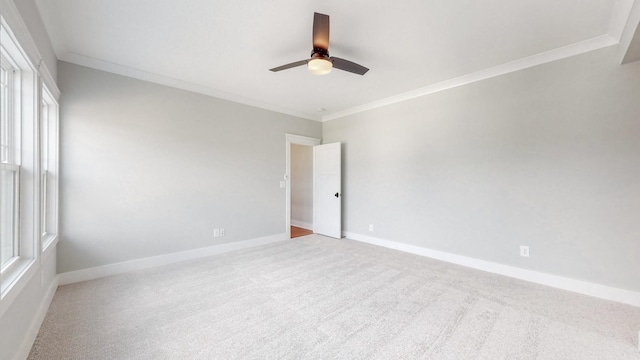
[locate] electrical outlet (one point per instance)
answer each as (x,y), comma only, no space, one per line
(222,232)
(216,232)
(371,227)
(524,251)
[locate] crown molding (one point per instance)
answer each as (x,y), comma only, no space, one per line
(520,64)
(618,31)
(619,28)
(630,35)
(179,84)
(620,17)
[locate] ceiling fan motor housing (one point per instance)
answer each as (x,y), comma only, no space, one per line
(319,53)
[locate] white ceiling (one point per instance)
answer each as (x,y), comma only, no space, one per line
(225,48)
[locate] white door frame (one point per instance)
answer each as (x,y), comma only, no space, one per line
(298,140)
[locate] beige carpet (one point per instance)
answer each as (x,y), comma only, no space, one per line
(321,298)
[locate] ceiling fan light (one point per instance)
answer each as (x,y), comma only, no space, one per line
(319,66)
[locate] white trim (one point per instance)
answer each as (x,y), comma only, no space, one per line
(298,140)
(22,35)
(628,32)
(19,45)
(578,286)
(38,319)
(620,16)
(49,240)
(14,289)
(302,140)
(71,277)
(618,20)
(520,64)
(53,242)
(47,79)
(178,84)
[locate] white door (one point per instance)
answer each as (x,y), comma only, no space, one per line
(327,192)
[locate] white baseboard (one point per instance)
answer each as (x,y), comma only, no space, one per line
(139,264)
(578,286)
(302,224)
(38,319)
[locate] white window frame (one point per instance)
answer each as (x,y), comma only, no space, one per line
(18,43)
(8,267)
(10,161)
(49,117)
(6,154)
(24,161)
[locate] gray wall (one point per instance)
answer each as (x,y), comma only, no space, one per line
(148,169)
(547,157)
(302,186)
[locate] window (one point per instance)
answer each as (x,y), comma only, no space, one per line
(5,109)
(19,164)
(10,170)
(28,161)
(48,168)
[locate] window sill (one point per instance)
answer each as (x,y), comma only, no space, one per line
(49,243)
(13,283)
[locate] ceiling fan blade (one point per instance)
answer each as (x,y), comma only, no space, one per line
(321,31)
(349,66)
(289,66)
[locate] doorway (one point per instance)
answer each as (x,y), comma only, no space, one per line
(299,184)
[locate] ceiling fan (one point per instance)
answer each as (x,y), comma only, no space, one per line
(320,62)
